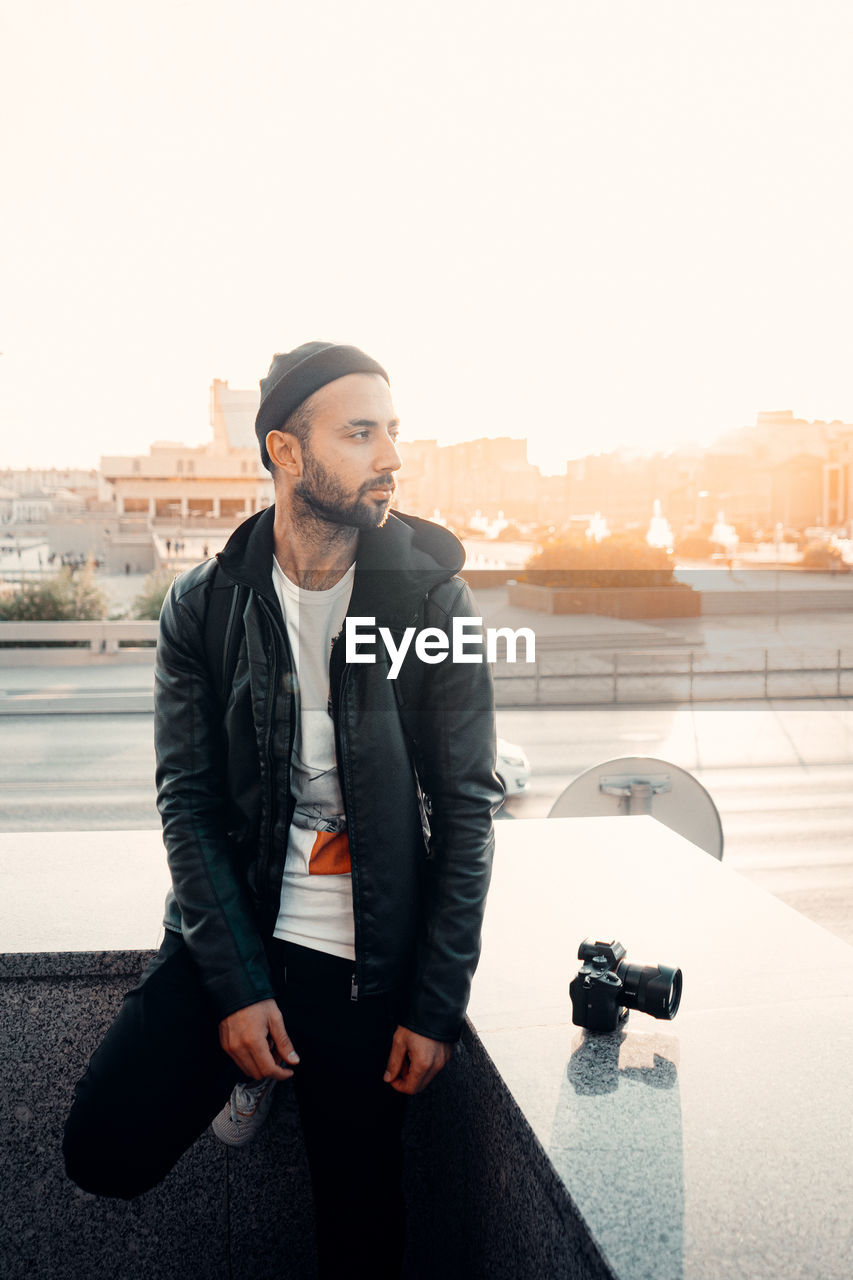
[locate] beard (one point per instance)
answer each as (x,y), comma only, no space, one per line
(322,496)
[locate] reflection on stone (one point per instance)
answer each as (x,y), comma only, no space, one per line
(609,1131)
(598,1061)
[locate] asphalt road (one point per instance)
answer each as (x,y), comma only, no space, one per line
(781,776)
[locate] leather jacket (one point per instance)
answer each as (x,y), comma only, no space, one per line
(415,761)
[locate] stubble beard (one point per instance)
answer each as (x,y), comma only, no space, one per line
(321,497)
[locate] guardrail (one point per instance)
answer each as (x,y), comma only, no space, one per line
(561,676)
(101,637)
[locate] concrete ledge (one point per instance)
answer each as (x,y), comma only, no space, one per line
(712,1148)
(111,702)
(57,656)
(696,1149)
(483,1198)
(101,637)
(679,601)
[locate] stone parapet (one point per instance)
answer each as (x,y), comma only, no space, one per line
(689,1150)
(612,602)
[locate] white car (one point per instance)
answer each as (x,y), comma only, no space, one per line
(512,767)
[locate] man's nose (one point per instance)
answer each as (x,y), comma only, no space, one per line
(388,459)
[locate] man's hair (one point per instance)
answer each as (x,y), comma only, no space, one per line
(298,424)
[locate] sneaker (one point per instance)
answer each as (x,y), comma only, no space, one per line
(243,1115)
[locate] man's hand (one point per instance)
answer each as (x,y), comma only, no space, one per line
(414,1060)
(251,1036)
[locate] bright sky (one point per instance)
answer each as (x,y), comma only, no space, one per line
(589,222)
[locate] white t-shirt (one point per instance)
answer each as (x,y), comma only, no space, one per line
(316,890)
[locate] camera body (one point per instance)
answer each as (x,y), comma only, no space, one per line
(606,987)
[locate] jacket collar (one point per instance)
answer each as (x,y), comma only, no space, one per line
(395,566)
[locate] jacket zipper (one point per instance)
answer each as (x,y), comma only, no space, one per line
(339,744)
(268,708)
(229,627)
(338,726)
(337,720)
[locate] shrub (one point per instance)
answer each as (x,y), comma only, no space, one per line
(511,533)
(67,596)
(695,546)
(620,561)
(820,556)
(149,602)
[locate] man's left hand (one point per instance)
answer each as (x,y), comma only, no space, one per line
(414,1060)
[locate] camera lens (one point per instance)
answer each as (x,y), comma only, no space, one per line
(652,989)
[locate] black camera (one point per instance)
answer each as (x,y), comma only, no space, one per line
(606,987)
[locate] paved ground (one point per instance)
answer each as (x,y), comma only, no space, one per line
(780,774)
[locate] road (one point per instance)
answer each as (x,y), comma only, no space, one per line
(781,775)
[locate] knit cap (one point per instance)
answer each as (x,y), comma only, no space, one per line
(295,375)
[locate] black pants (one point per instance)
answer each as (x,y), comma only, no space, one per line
(159,1077)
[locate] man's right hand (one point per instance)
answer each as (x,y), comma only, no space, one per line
(251,1036)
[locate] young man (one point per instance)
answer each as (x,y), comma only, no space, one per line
(328,828)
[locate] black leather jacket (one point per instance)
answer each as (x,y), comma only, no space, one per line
(416,756)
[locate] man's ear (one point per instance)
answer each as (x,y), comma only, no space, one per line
(285,451)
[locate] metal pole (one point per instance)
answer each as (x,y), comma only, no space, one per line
(778,534)
(640,799)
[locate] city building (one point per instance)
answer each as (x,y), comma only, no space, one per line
(779,470)
(49,479)
(7,504)
(35,506)
(487,475)
(799,473)
(837,481)
(223,479)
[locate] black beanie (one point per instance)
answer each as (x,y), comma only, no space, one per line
(295,375)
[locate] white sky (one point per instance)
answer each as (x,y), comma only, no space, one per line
(589,222)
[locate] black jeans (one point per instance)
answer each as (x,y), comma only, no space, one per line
(159,1077)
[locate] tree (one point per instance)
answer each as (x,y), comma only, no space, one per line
(620,561)
(149,602)
(71,595)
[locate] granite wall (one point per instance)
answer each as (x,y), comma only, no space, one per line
(484,1199)
(222,1214)
(486,1203)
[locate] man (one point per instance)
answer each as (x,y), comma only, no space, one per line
(328,829)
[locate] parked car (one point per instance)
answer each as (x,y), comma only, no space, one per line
(512,767)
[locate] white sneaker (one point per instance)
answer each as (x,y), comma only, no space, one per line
(243,1115)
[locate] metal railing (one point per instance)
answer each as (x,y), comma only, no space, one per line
(570,677)
(561,674)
